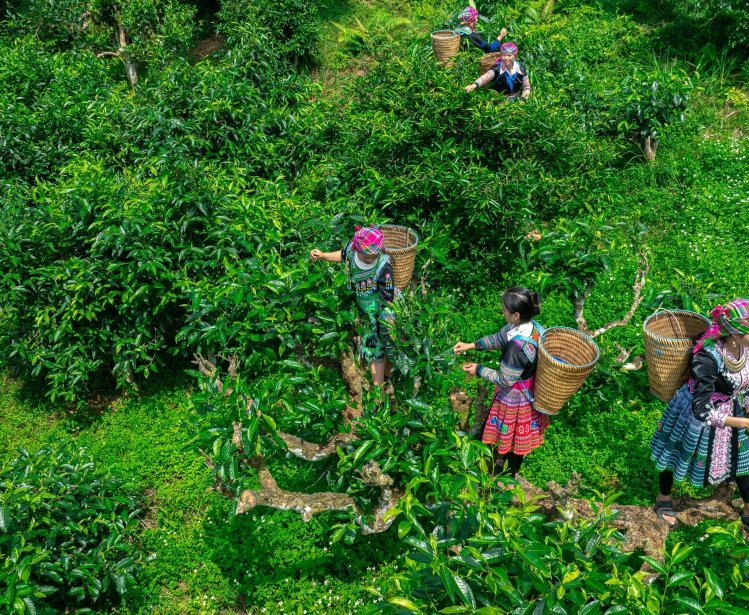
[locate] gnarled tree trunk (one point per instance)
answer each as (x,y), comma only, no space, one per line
(649,147)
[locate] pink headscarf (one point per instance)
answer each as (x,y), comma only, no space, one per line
(509,48)
(469,15)
(367,240)
(729,319)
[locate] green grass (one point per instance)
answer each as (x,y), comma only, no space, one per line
(25,421)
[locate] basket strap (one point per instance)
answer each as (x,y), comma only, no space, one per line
(523,388)
(383,261)
(525,339)
(540,327)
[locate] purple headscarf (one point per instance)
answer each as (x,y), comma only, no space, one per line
(469,15)
(729,319)
(367,240)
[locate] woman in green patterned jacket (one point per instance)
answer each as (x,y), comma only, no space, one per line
(370,276)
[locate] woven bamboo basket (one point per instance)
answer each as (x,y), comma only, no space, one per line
(565,358)
(400,244)
(669,338)
(487,61)
(445,44)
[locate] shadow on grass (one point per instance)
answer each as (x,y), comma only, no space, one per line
(335,10)
(102,394)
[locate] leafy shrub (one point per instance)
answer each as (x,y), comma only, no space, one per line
(66,532)
(61,22)
(293,26)
(651,100)
(112,285)
(49,104)
(724,24)
(493,559)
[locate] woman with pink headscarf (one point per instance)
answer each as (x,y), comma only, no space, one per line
(702,436)
(370,276)
(508,76)
(467,28)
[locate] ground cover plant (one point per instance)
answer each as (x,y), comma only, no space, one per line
(158,205)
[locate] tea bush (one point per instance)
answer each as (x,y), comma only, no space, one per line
(511,561)
(293,27)
(87,300)
(67,533)
(652,100)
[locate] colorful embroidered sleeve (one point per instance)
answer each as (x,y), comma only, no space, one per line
(514,361)
(505,377)
(495,341)
(704,373)
(385,283)
(526,84)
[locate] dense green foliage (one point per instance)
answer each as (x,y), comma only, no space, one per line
(154,31)
(508,561)
(67,532)
(140,224)
(143,241)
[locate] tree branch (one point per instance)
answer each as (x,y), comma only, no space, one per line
(354,385)
(208,369)
(582,324)
(624,354)
(461,405)
(372,475)
(649,148)
(233,362)
(130,70)
(424,272)
(309,504)
(637,287)
(315,452)
(639,523)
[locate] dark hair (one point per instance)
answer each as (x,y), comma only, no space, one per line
(523,301)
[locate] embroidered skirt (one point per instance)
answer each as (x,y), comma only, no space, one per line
(697,451)
(512,423)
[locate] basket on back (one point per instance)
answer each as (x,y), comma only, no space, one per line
(445,44)
(400,243)
(669,338)
(565,358)
(487,61)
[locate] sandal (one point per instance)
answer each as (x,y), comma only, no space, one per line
(666,509)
